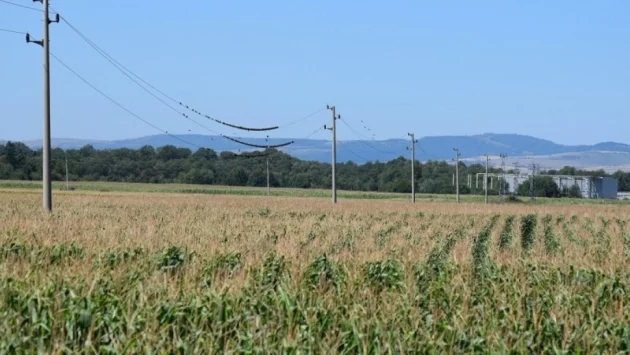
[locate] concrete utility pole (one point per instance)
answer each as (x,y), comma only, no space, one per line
(66,156)
(486,179)
(45,42)
(502,182)
(457,173)
(334,151)
(413,161)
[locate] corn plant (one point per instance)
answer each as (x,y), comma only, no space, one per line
(323,273)
(480,248)
(506,236)
(528,231)
(552,245)
(384,275)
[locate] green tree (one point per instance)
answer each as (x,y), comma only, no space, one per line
(198,176)
(257,177)
(236,177)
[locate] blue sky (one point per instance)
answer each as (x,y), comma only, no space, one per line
(553,69)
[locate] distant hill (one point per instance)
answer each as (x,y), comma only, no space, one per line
(607,155)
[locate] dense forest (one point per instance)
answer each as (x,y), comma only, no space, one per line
(169,164)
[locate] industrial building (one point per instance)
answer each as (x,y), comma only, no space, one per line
(590,186)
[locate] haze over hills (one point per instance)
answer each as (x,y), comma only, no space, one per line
(609,156)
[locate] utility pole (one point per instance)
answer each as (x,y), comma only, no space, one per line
(502,182)
(457,173)
(334,151)
(65,153)
(486,180)
(413,161)
(44,43)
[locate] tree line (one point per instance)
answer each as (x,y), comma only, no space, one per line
(170,164)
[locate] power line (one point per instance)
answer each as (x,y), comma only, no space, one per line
(343,144)
(124,70)
(418,144)
(23,6)
(151,124)
(111,61)
(259,145)
(11,31)
(303,118)
(120,105)
(321,128)
(364,142)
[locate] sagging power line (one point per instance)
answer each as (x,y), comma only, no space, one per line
(345,146)
(130,73)
(156,127)
(358,135)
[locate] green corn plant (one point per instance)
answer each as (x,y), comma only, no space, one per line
(528,231)
(552,245)
(560,219)
(272,273)
(384,275)
(224,264)
(570,234)
(323,273)
(625,237)
(505,238)
(171,259)
(480,247)
(65,252)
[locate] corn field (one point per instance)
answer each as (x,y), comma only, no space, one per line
(171,273)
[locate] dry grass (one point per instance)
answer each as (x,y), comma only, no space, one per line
(213,224)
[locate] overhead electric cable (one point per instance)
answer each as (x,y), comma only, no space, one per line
(22,6)
(344,146)
(258,145)
(313,133)
(303,118)
(364,142)
(123,68)
(149,123)
(11,31)
(120,105)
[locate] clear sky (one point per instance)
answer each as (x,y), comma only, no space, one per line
(558,70)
